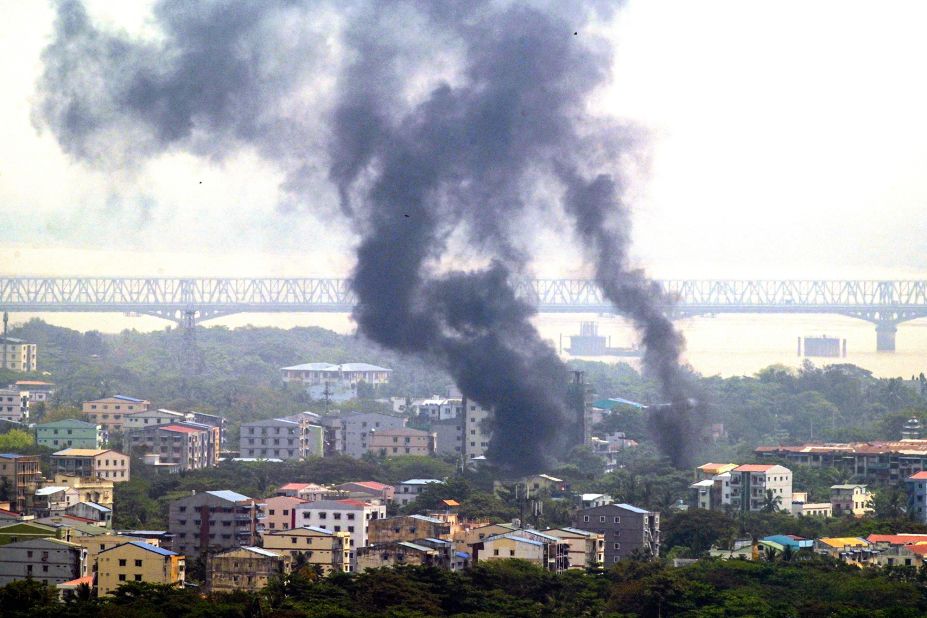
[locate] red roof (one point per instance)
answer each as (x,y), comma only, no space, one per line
(296,486)
(919,549)
(352,502)
(74,583)
(919,476)
(83,520)
(371,485)
(180,429)
(897,539)
(754,468)
(6,512)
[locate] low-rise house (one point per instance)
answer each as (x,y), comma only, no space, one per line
(401,441)
(54,499)
(901,556)
(544,483)
(348,515)
(399,553)
(22,476)
(72,526)
(584,549)
(852,550)
(884,541)
(280,512)
(439,409)
(16,531)
(408,491)
(110,412)
(627,529)
(138,562)
(478,533)
(47,560)
(755,485)
(36,390)
(69,433)
(310,492)
(851,499)
(213,521)
(103,463)
(92,511)
(89,488)
(243,568)
(779,542)
(96,544)
(587,501)
(370,490)
(311,546)
(407,528)
(801,507)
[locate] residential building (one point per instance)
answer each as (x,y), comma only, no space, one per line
(543,550)
(368,490)
(440,409)
(628,530)
(47,560)
(333,432)
(397,553)
(14,407)
(477,430)
(280,512)
(476,534)
(110,412)
(243,568)
(585,549)
(401,441)
(916,487)
(449,436)
(358,426)
(18,355)
(185,445)
(755,485)
(852,550)
(52,499)
(310,492)
(851,499)
(335,382)
(96,544)
(16,531)
(69,433)
(408,491)
(36,390)
(72,527)
(89,488)
(103,463)
(802,508)
(312,546)
(280,439)
(92,511)
(407,528)
(351,516)
(21,475)
(543,483)
(884,541)
(877,461)
(213,521)
(211,420)
(152,418)
(137,561)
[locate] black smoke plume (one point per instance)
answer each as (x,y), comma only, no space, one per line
(443,117)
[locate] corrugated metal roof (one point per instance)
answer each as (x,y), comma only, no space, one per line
(81,452)
(415,546)
(152,548)
(49,490)
(96,507)
(129,399)
(420,481)
(634,509)
(261,551)
(229,495)
(430,520)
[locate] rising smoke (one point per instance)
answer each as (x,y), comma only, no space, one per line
(443,117)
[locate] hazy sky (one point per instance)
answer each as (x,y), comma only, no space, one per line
(786,140)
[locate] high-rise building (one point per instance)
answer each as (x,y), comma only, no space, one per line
(627,529)
(212,521)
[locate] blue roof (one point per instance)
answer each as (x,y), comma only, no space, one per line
(12,455)
(784,540)
(154,548)
(226,494)
(127,398)
(462,554)
(634,509)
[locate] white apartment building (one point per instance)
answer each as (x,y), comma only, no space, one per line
(348,515)
(408,491)
(13,406)
(440,409)
(750,482)
(149,418)
(335,382)
(476,430)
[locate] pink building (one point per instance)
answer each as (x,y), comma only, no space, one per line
(279,512)
(368,489)
(307,491)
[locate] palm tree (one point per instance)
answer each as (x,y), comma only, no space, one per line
(771,502)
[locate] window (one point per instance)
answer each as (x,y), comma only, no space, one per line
(617,520)
(138,563)
(45,568)
(122,562)
(617,545)
(138,578)
(271,512)
(601,519)
(495,552)
(29,554)
(122,577)
(585,518)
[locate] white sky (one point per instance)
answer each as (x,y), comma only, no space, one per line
(789,140)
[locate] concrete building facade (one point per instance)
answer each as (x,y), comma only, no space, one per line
(69,433)
(243,568)
(627,529)
(408,491)
(89,488)
(18,355)
(106,464)
(110,412)
(584,549)
(851,499)
(280,438)
(47,560)
(351,516)
(280,512)
(407,528)
(186,445)
(750,484)
(22,476)
(312,546)
(213,521)
(477,430)
(138,561)
(401,441)
(14,407)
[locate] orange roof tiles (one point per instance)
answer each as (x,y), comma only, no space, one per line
(897,539)
(919,476)
(754,468)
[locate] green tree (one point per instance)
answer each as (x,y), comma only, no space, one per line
(772,502)
(15,440)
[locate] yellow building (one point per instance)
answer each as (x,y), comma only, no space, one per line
(103,463)
(312,546)
(708,471)
(90,489)
(17,355)
(585,549)
(110,412)
(137,562)
(96,544)
(244,568)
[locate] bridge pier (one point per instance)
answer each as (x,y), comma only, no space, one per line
(885,335)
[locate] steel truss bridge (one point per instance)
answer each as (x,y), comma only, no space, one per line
(191,300)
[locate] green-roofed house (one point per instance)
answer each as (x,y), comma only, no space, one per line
(69,433)
(25,530)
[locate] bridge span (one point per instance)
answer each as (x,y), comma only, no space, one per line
(190,300)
